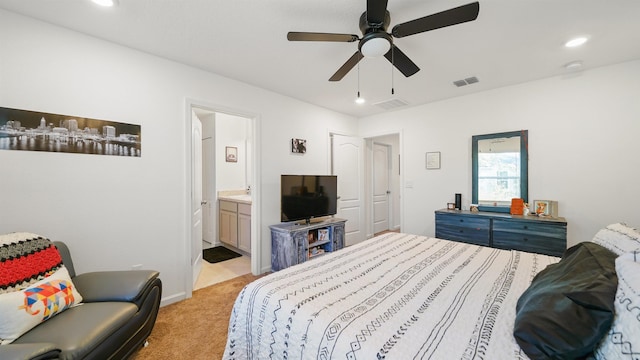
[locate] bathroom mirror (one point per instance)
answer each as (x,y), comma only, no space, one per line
(499,169)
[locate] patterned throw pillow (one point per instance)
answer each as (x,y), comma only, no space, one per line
(618,238)
(34,284)
(623,339)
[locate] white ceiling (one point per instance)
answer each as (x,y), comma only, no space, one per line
(511,42)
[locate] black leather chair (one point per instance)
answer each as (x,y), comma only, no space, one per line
(117,314)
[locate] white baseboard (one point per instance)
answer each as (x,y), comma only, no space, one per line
(265,270)
(172,299)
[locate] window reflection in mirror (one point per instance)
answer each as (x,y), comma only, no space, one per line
(499,170)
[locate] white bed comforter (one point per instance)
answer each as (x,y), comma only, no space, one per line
(396,296)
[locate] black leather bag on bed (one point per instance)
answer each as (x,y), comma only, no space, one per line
(569,306)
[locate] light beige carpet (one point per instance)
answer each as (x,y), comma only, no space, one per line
(195,328)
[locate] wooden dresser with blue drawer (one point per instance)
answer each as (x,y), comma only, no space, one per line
(542,235)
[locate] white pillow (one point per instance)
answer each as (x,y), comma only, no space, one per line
(618,238)
(34,284)
(25,309)
(623,339)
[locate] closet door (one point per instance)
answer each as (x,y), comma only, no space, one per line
(347,163)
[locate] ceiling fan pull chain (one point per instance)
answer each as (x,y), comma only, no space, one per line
(358,98)
(392,65)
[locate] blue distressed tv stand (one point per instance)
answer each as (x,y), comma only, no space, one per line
(293,243)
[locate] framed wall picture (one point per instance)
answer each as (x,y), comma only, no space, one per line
(298,146)
(231,153)
(433,160)
(41,131)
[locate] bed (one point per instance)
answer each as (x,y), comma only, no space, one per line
(395,296)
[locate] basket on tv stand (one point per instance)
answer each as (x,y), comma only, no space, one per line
(294,243)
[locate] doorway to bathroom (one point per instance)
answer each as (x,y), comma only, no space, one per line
(222,158)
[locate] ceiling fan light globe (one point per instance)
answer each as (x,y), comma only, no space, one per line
(375,47)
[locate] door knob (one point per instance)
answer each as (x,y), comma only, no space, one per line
(203,202)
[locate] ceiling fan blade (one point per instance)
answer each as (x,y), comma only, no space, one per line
(401,61)
(454,16)
(309,36)
(346,67)
(376,11)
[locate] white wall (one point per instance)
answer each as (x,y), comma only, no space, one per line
(115,212)
(583,137)
(231,131)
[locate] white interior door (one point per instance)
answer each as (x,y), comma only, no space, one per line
(347,164)
(381,188)
(208,215)
(196,195)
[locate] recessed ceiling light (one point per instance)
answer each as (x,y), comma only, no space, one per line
(106,3)
(576,42)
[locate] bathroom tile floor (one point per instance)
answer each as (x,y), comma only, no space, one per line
(222,271)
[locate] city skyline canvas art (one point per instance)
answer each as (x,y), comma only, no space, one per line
(40,131)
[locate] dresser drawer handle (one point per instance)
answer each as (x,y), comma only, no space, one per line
(526,239)
(525,227)
(461,220)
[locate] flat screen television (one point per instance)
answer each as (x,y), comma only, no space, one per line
(304,197)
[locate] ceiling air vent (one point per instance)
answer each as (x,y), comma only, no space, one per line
(391,104)
(467,81)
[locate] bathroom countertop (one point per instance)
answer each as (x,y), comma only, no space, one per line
(243,198)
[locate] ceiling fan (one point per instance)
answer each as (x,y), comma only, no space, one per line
(375,40)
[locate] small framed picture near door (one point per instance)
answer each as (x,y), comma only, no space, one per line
(433,160)
(231,153)
(298,146)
